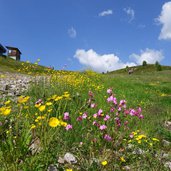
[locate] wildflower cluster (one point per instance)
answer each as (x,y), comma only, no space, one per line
(6,109)
(137,138)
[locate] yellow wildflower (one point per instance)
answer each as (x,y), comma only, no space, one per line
(66,95)
(49,103)
(68,170)
(63,123)
(58,98)
(42,108)
(33,126)
(151,144)
(53,122)
(38,105)
(6,111)
(26,107)
(23,99)
(122,159)
(54,97)
(7,102)
(104,163)
(139,137)
(163,95)
(2,109)
(155,139)
(139,141)
(36,120)
(49,110)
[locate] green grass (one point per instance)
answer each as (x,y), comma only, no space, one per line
(9,65)
(146,88)
(148,69)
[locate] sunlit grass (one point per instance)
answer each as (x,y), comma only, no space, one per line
(106,121)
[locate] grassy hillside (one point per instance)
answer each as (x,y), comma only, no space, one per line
(109,122)
(150,68)
(8,64)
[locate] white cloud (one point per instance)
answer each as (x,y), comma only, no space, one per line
(100,63)
(165,20)
(149,55)
(130,12)
(105,13)
(72,32)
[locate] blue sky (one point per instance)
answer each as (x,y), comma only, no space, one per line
(103,35)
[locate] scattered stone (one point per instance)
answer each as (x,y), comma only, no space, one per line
(61,160)
(70,158)
(35,146)
(165,155)
(130,146)
(138,151)
(126,168)
(167,124)
(94,160)
(52,168)
(15,84)
(168,165)
(166,143)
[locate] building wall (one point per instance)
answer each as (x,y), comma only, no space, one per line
(14,54)
(13,57)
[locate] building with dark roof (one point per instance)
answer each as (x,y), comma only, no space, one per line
(2,50)
(13,53)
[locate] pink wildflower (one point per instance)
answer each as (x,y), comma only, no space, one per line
(139,110)
(103,127)
(119,109)
(99,113)
(39,101)
(115,101)
(126,112)
(141,116)
(95,115)
(126,123)
(107,117)
(93,105)
(110,99)
(112,109)
(96,124)
(109,91)
(107,137)
(68,127)
(66,116)
(90,93)
(79,118)
(84,116)
(122,103)
(131,135)
(132,112)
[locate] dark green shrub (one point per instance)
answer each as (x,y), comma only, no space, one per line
(144,63)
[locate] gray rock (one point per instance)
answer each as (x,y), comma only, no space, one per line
(166,143)
(126,168)
(167,124)
(15,84)
(168,165)
(61,160)
(138,151)
(35,146)
(52,168)
(70,158)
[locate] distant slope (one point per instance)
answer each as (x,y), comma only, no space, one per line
(140,69)
(10,65)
